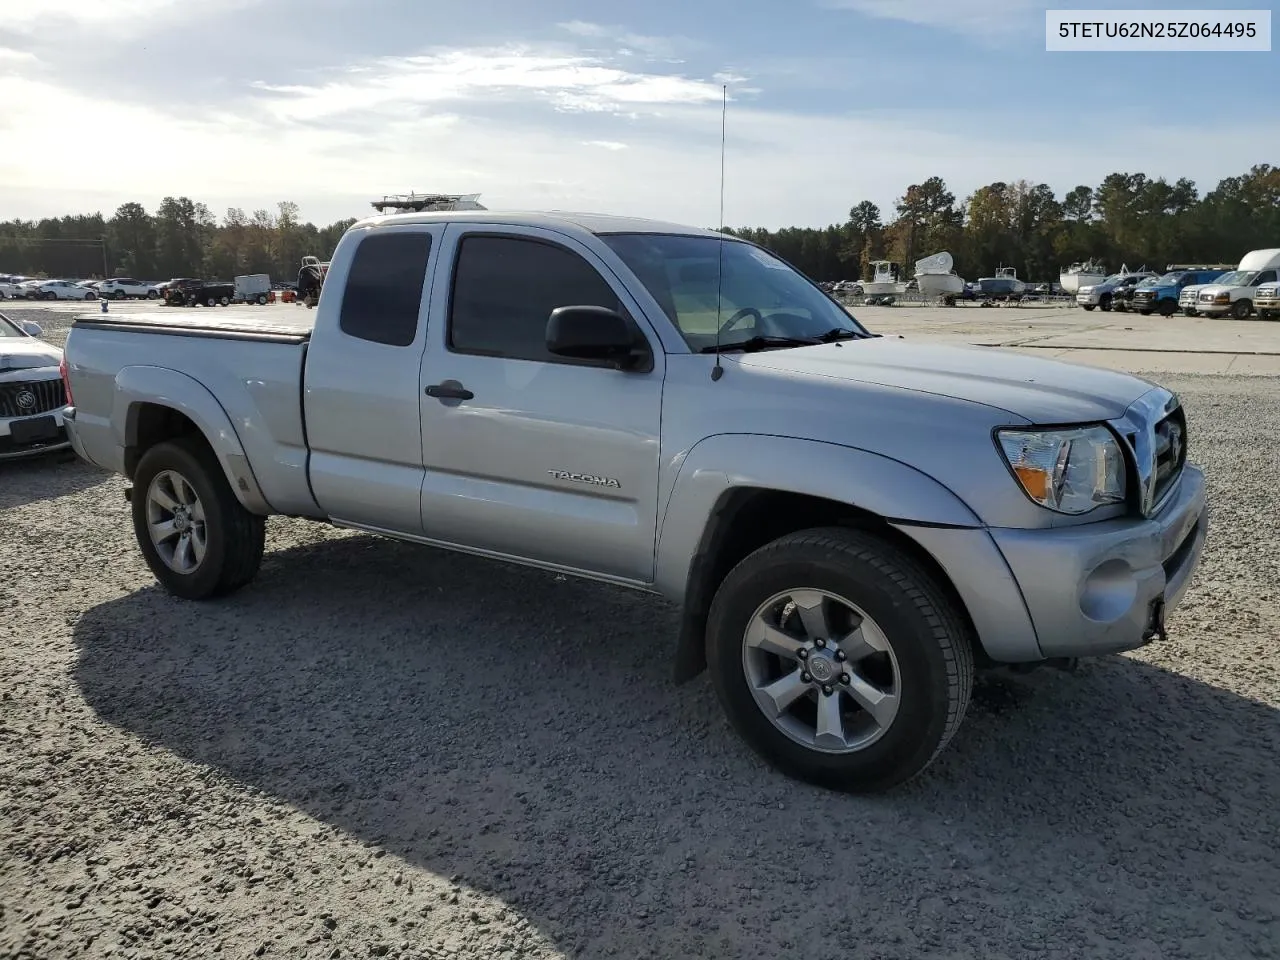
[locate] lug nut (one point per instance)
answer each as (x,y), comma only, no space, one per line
(802,653)
(805,677)
(845,679)
(841,656)
(826,691)
(819,643)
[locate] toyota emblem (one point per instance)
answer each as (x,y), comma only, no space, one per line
(26,400)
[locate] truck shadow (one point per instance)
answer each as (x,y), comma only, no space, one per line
(473,719)
(46,477)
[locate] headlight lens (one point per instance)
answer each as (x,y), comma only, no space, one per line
(1069,470)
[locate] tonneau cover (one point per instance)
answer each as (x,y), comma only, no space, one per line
(280,324)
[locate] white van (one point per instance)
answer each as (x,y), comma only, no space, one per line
(1233,293)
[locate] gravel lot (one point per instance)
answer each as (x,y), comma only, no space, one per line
(381,750)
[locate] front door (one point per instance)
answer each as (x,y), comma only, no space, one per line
(529,455)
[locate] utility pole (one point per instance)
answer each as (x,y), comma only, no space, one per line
(106,271)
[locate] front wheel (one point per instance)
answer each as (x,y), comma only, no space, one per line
(151,295)
(1241,309)
(839,659)
(194,535)
(1087,306)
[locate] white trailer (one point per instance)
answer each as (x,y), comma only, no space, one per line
(252,288)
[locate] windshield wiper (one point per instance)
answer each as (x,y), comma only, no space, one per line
(762,343)
(839,333)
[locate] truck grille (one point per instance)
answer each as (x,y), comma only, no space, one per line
(1170,452)
(1144,296)
(26,398)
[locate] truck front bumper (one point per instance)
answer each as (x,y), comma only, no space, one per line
(1213,309)
(1105,587)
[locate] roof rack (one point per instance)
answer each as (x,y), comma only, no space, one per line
(420,202)
(1199,266)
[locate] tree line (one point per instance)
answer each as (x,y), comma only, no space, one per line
(182,238)
(1129,218)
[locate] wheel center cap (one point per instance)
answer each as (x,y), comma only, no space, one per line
(822,668)
(180,521)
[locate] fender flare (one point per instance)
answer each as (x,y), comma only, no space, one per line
(141,384)
(868,481)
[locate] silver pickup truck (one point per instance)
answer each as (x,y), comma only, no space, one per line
(851,523)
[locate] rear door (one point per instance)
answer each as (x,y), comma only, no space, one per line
(361,380)
(526,454)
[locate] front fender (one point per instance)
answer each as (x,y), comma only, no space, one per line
(878,484)
(136,386)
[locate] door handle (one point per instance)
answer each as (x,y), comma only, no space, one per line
(449,390)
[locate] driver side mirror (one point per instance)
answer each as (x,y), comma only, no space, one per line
(32,328)
(592,333)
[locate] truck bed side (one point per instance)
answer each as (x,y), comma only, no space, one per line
(237,375)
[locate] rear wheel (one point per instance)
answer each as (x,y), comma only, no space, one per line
(194,535)
(1241,309)
(839,659)
(262,299)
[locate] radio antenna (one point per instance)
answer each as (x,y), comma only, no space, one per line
(718,371)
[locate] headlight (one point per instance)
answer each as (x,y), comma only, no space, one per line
(1068,470)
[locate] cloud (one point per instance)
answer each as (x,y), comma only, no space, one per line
(605,144)
(124,15)
(575,84)
(989,19)
(629,42)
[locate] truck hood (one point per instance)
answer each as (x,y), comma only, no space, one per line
(24,353)
(1039,390)
(1217,288)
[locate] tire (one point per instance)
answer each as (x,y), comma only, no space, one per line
(1145,313)
(234,537)
(211,302)
(1241,309)
(117,294)
(1105,303)
(1088,307)
(224,301)
(929,659)
(262,299)
(90,295)
(151,295)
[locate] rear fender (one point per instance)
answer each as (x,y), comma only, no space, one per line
(136,386)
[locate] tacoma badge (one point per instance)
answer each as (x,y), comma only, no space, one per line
(585,478)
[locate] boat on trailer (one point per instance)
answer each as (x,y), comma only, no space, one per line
(427,202)
(885,281)
(1084,274)
(1003,285)
(936,277)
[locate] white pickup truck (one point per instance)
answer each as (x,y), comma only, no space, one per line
(852,523)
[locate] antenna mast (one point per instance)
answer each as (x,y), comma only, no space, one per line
(718,371)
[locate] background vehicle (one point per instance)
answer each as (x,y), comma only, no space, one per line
(1110,291)
(121,288)
(1233,293)
(177,292)
(1160,294)
(32,393)
(252,288)
(1267,301)
(213,293)
(571,393)
(11,287)
(60,290)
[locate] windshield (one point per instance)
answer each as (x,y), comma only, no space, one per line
(1114,278)
(8,328)
(760,296)
(1236,278)
(1166,280)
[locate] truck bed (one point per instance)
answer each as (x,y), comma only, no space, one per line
(281,324)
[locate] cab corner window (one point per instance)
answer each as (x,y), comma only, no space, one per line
(504,289)
(383,294)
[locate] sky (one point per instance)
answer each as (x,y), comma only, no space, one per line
(605,106)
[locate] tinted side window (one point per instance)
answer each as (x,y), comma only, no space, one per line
(1266,276)
(384,288)
(504,289)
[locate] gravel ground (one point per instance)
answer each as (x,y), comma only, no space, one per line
(381,750)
